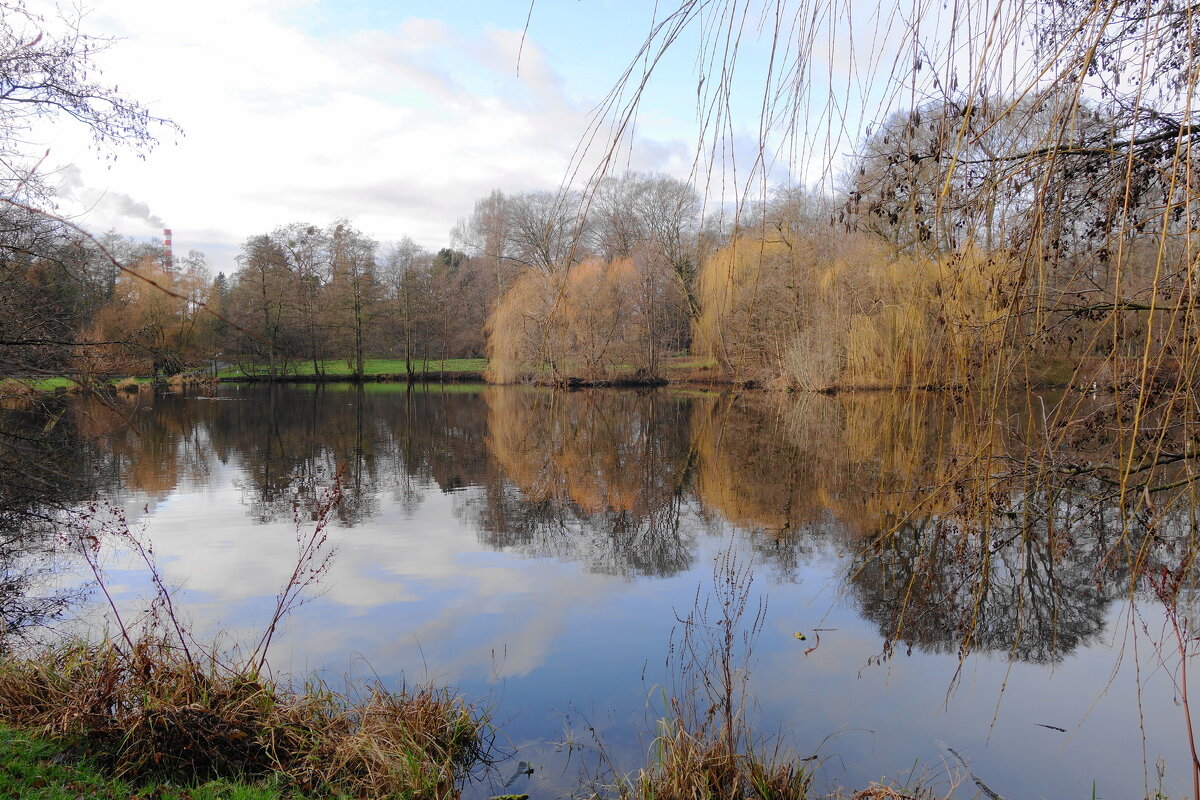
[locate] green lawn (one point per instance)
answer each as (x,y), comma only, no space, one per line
(28,771)
(54,384)
(49,384)
(373,366)
(689,363)
(397,387)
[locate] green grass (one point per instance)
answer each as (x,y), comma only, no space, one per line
(50,384)
(1051,371)
(28,771)
(61,382)
(402,387)
(689,363)
(373,366)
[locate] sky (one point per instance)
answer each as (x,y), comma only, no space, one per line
(397,116)
(400,115)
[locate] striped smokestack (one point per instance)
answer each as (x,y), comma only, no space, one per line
(168,256)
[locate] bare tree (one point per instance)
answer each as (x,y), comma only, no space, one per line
(353,292)
(260,299)
(406,279)
(306,248)
(47,71)
(534,230)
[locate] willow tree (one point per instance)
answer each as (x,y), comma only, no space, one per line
(1057,135)
(597,321)
(1031,169)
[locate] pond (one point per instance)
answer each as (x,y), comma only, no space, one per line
(538,550)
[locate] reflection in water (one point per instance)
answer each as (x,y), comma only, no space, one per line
(47,464)
(933,588)
(551,539)
(598,478)
(625,482)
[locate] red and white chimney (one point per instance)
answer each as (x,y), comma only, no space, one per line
(168,255)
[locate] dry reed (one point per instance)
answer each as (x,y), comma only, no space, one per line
(154,712)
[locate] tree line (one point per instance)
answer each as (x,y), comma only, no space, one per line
(972,235)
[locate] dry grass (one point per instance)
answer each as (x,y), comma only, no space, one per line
(180,380)
(155,714)
(691,765)
(704,748)
(15,394)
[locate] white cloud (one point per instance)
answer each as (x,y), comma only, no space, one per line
(116,207)
(401,130)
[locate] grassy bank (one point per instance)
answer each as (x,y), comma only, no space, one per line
(18,387)
(147,713)
(374,368)
(676,369)
(34,768)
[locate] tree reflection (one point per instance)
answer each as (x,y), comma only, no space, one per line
(942,587)
(600,477)
(627,483)
(48,466)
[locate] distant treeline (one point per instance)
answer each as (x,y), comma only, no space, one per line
(955,250)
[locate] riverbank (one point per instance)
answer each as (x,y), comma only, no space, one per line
(145,713)
(374,369)
(39,769)
(682,371)
(678,370)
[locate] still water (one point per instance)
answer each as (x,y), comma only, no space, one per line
(537,549)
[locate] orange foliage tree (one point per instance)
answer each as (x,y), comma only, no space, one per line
(144,330)
(598,320)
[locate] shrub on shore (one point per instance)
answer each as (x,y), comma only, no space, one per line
(14,393)
(180,380)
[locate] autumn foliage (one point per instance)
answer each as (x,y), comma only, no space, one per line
(596,321)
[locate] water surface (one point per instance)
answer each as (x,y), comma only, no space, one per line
(537,549)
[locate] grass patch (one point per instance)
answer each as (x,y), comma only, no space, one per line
(33,768)
(153,714)
(52,384)
(130,385)
(689,363)
(693,764)
(1051,371)
(395,387)
(150,704)
(39,384)
(372,367)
